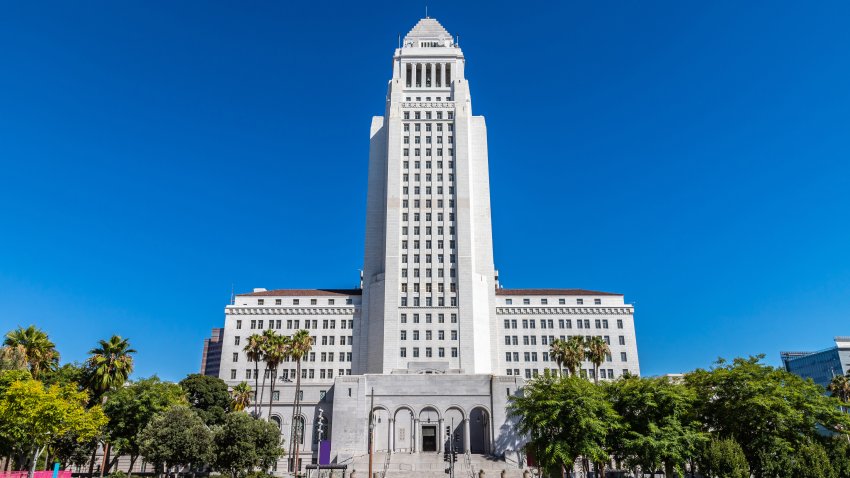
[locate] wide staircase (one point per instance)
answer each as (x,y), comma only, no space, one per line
(431,465)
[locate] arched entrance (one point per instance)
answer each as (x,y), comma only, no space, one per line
(381,434)
(479,431)
(429,423)
(403,430)
(453,421)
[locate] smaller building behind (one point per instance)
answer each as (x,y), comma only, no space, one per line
(820,366)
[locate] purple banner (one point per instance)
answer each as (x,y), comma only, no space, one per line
(325,452)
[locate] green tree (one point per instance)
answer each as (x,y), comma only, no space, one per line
(723,459)
(573,354)
(39,351)
(131,408)
(208,396)
(564,418)
(268,336)
(67,374)
(244,443)
(109,365)
(254,351)
(838,450)
(299,346)
(32,416)
(658,425)
(241,395)
(768,411)
(812,461)
(596,351)
(176,437)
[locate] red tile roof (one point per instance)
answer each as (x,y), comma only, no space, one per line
(551,292)
(302,292)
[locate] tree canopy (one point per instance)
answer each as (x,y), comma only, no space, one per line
(176,437)
(243,443)
(208,396)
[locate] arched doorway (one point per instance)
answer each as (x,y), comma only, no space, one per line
(453,420)
(403,430)
(479,431)
(429,433)
(381,434)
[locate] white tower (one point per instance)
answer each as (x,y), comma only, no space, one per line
(428,280)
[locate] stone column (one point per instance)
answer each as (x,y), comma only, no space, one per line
(466,437)
(414,442)
(440,437)
(391,444)
(433,74)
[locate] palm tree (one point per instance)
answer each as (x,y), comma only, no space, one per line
(597,351)
(241,397)
(840,387)
(574,354)
(254,350)
(277,350)
(109,366)
(266,339)
(13,358)
(556,352)
(299,346)
(39,351)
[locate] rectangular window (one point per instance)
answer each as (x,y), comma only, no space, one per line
(622,340)
(235,356)
(619,323)
(454,352)
(623,357)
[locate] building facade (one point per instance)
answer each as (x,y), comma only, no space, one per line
(820,366)
(430,342)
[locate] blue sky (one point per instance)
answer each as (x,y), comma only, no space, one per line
(691,155)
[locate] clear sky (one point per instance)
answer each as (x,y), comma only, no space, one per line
(691,155)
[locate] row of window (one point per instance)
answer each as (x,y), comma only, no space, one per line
(441,287)
(312,356)
(417,230)
(326,340)
(441,258)
(440,273)
(586,373)
(296,324)
(429,302)
(428,98)
(549,340)
(429,352)
(418,165)
(417,139)
(428,242)
(428,152)
(562,323)
(441,318)
(429,115)
(441,335)
(546,301)
(306,373)
(298,301)
(532,357)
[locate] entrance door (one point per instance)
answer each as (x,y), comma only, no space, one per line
(429,438)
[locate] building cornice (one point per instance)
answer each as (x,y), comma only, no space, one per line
(237,310)
(565,310)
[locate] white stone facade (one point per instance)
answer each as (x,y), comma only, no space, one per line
(430,333)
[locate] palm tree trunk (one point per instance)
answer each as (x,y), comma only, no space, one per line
(262,390)
(295,405)
(596,374)
(271,392)
(105,465)
(256,386)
